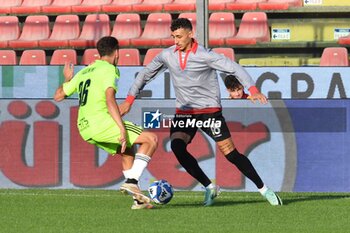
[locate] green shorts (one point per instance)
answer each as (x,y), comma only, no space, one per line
(108,140)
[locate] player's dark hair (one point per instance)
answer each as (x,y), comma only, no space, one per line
(231,82)
(107,45)
(181,23)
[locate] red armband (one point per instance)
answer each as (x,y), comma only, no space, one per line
(130,99)
(253,90)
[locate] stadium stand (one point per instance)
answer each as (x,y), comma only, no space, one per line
(221,26)
(36,27)
(61,56)
(120,6)
(247,5)
(328,3)
(150,54)
(279,4)
(90,6)
(60,6)
(270,61)
(180,5)
(65,28)
(8,57)
(309,30)
(218,5)
(30,7)
(33,57)
(228,52)
(9,30)
(129,57)
(335,56)
(157,27)
(95,26)
(252,29)
(5,5)
(89,56)
(150,5)
(345,40)
(127,27)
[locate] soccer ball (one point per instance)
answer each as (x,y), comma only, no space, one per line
(161,192)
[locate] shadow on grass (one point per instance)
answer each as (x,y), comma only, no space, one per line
(302,197)
(287,198)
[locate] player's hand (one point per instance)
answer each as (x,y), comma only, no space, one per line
(122,141)
(124,108)
(259,97)
(68,71)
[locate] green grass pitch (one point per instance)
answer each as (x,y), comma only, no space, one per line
(98,211)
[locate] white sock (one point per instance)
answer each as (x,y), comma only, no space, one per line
(210,186)
(126,173)
(140,163)
(263,190)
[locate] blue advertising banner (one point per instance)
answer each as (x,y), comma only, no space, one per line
(295,145)
(275,82)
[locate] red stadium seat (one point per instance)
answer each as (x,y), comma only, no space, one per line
(157,27)
(33,57)
(344,40)
(221,26)
(60,6)
(61,56)
(66,28)
(218,5)
(181,5)
(150,5)
(150,54)
(279,4)
(126,27)
(120,6)
(247,5)
(335,56)
(253,28)
(228,52)
(9,30)
(129,57)
(95,26)
(8,57)
(90,6)
(36,27)
(30,7)
(89,56)
(5,5)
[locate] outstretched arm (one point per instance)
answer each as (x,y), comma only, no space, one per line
(68,72)
(145,76)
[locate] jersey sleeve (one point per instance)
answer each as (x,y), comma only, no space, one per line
(70,87)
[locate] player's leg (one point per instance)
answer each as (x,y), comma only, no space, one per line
(227,147)
(246,167)
(147,145)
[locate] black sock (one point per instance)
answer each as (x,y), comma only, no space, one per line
(245,166)
(188,161)
(131,181)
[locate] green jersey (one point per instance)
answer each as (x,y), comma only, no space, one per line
(91,84)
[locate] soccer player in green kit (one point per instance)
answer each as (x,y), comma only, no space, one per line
(100,122)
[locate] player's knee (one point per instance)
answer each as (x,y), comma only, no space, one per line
(178,146)
(226,147)
(152,140)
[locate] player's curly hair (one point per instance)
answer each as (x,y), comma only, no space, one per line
(231,82)
(107,45)
(181,23)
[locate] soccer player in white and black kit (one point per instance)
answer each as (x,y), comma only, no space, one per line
(193,71)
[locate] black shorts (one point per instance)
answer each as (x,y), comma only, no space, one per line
(213,124)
